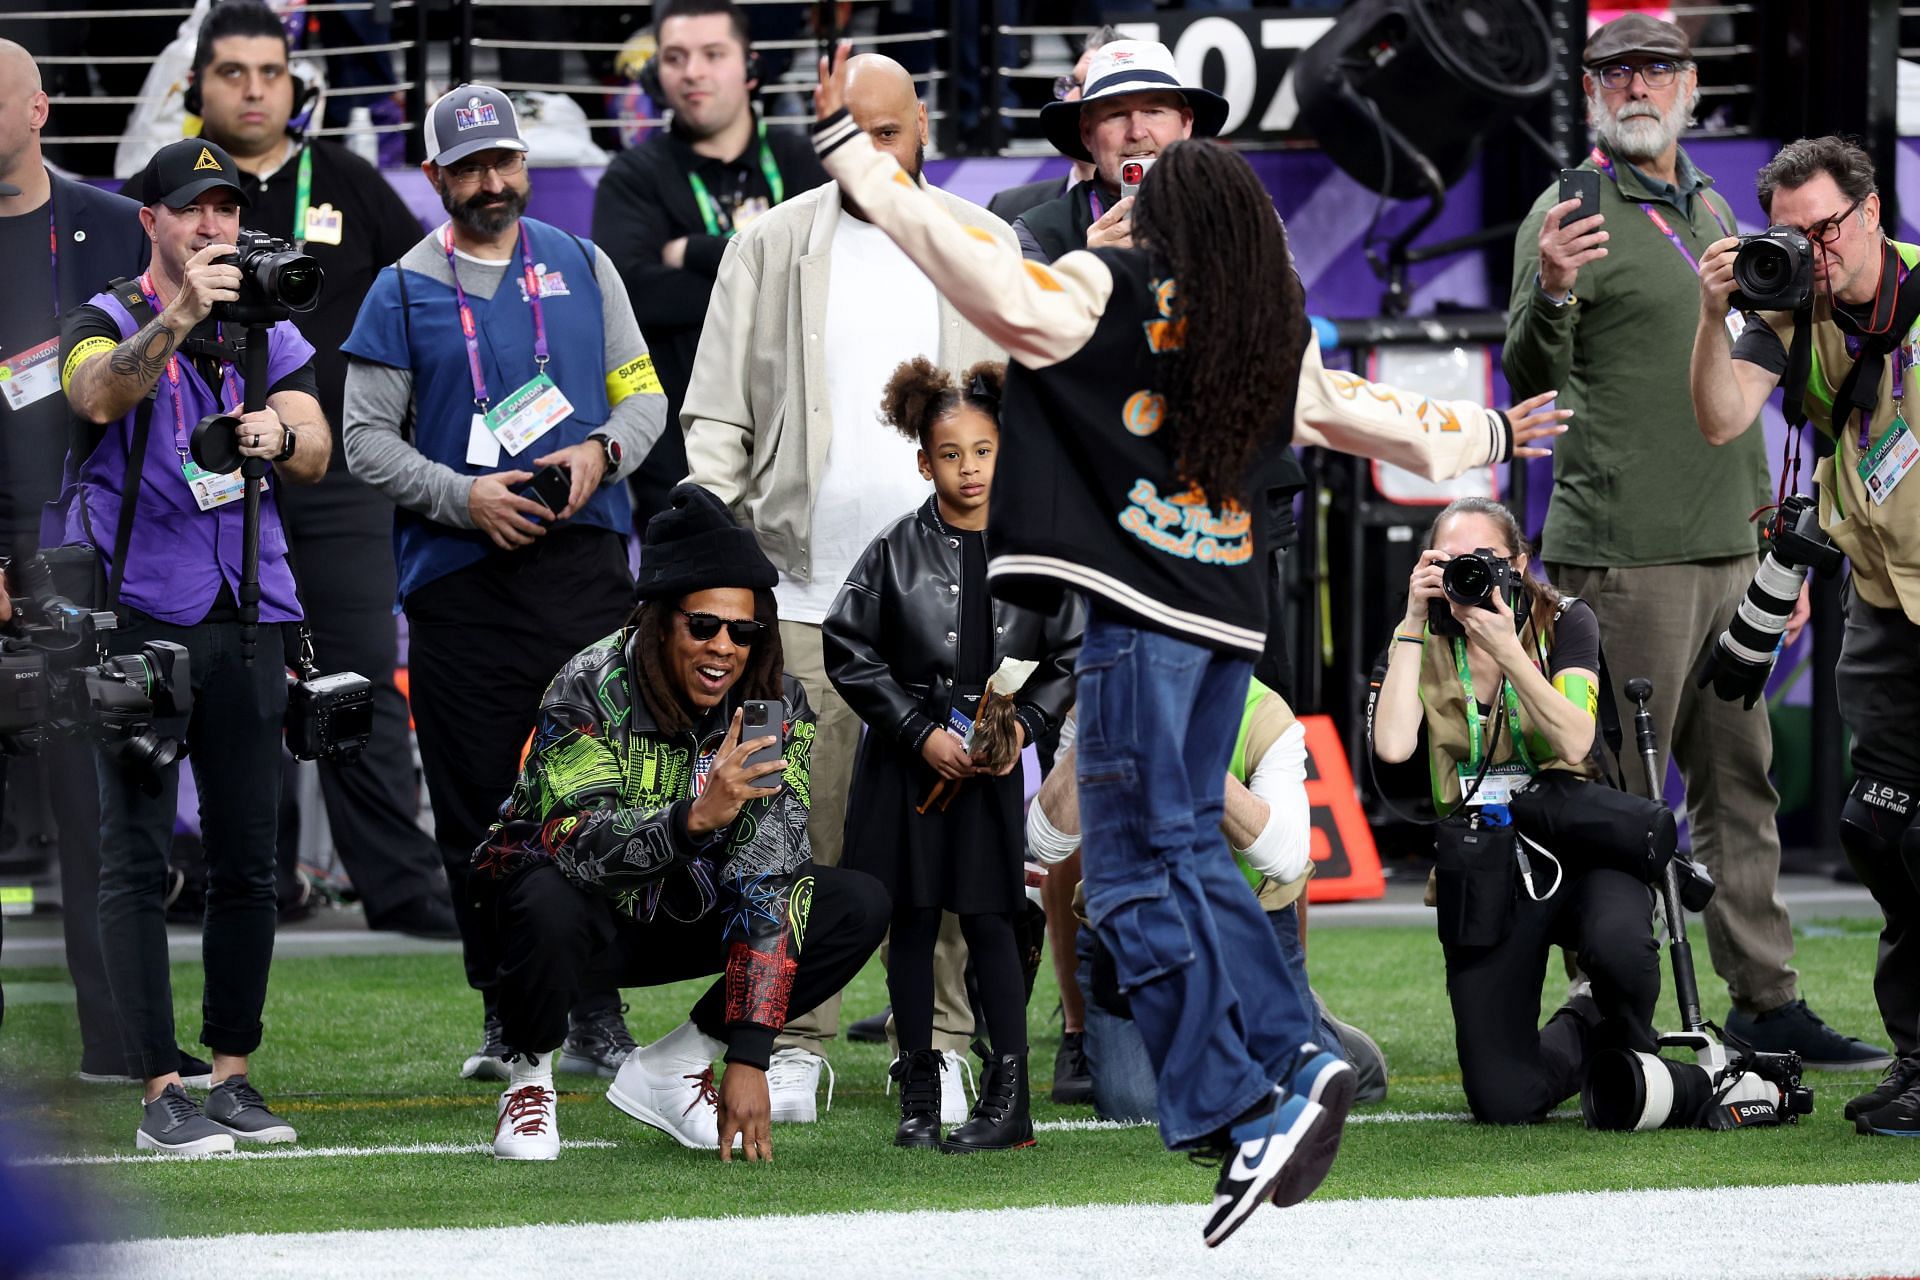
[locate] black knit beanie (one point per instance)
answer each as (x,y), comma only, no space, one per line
(694,545)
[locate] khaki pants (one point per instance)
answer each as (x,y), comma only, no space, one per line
(1655,622)
(830,775)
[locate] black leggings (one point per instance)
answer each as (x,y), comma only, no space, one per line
(996,967)
(1513,1069)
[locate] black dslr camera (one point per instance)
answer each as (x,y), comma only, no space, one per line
(1773,271)
(328,717)
(1742,658)
(1470,580)
(56,677)
(275,278)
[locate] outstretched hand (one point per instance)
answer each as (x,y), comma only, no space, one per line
(831,95)
(1531,421)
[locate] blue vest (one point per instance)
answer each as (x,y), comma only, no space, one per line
(426,340)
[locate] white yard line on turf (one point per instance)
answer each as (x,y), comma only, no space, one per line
(306,1153)
(1358,1117)
(1730,1233)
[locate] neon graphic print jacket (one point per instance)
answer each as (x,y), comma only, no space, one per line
(604,796)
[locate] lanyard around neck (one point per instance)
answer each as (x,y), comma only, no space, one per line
(1605,165)
(227,385)
(53,254)
(710,211)
(1505,692)
(302,193)
(470,331)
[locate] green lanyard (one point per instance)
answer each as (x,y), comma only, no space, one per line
(302,190)
(710,212)
(1512,698)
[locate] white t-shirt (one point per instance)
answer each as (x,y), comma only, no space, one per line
(881,310)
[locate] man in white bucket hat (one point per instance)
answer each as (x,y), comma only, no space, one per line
(1133,106)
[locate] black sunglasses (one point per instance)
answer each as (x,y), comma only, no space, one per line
(742,631)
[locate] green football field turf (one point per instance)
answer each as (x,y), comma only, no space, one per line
(364,1052)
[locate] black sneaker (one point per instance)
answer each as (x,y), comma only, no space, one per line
(596,1044)
(491,1062)
(236,1106)
(1898,1119)
(1072,1077)
(1901,1076)
(871,1030)
(1797,1029)
(173,1126)
(195,1073)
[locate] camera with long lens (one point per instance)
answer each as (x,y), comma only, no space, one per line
(57,678)
(1742,658)
(1469,580)
(275,278)
(1772,271)
(1630,1091)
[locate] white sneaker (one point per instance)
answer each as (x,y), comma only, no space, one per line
(956,1075)
(793,1080)
(528,1124)
(669,1085)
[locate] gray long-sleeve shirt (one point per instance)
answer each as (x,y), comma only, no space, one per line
(378,396)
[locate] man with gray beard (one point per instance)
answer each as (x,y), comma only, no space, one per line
(1648,523)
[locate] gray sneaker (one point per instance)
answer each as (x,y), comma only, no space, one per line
(237,1107)
(1369,1063)
(174,1126)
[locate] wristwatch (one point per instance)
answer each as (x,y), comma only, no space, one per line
(611,448)
(287,445)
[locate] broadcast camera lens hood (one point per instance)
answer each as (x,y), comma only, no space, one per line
(216,443)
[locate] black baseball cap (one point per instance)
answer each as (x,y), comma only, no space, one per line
(182,171)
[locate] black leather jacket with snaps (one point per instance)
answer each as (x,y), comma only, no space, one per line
(892,636)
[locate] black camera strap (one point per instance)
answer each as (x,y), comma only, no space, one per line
(130,296)
(1878,336)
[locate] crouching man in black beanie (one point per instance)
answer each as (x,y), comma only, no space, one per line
(640,847)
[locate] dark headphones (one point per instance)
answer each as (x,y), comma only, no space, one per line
(306,92)
(648,77)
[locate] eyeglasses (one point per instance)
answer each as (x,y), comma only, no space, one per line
(1827,230)
(508,166)
(742,631)
(1657,75)
(1064,85)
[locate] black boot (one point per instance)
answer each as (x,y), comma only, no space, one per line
(1001,1118)
(919,1075)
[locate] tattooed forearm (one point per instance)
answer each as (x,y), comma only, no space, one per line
(145,354)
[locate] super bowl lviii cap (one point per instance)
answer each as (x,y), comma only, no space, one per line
(470,118)
(181,172)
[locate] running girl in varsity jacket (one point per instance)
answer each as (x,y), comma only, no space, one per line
(910,643)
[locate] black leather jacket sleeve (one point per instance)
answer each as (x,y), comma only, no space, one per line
(855,642)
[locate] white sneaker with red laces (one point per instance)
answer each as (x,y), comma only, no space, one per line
(669,1085)
(528,1125)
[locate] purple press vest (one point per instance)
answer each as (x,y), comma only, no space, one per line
(178,555)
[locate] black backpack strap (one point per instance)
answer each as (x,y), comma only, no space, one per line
(406,329)
(130,296)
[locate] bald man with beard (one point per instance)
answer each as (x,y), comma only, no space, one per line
(813,309)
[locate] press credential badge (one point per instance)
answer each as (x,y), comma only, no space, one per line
(527,414)
(32,375)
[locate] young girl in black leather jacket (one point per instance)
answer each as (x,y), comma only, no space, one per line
(910,643)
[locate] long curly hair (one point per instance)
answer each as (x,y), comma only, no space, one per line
(1211,226)
(920,393)
(652,623)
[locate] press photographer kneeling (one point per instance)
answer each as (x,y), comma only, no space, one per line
(148,360)
(1506,707)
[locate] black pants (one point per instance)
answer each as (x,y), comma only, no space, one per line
(1513,1069)
(560,940)
(341,532)
(993,961)
(233,737)
(482,645)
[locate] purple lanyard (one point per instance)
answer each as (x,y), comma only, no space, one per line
(1093,202)
(1606,166)
(173,377)
(1902,361)
(470,331)
(53,257)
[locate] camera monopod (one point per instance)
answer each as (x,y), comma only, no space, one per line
(216,448)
